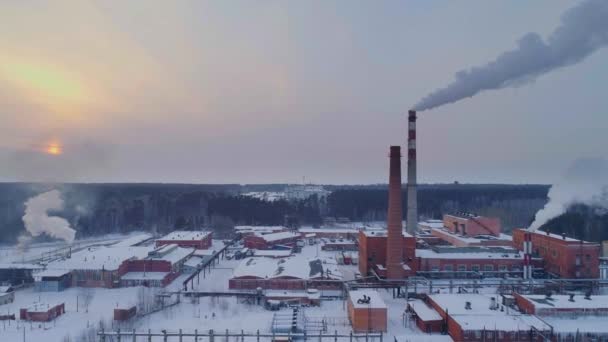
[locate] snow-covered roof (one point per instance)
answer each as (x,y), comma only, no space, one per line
(176,254)
(26,266)
(272,253)
(4,289)
(382,232)
(42,306)
(431,224)
(423,311)
(563,302)
(481,316)
(311,294)
(278,236)
(203,252)
(577,324)
(144,276)
(49,272)
(133,240)
(185,235)
(194,261)
(329,230)
(472,239)
(482,253)
(102,257)
(261,229)
(295,267)
(375,302)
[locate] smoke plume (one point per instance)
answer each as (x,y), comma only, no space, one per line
(37,221)
(583,30)
(586,181)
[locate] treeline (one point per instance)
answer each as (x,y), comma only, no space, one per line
(95,209)
(515,205)
(581,221)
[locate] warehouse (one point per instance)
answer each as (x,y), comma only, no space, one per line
(293,273)
(270,241)
(52,280)
(187,239)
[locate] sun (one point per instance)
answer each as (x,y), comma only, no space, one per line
(54,150)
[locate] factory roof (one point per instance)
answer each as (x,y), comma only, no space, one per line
(563,302)
(423,311)
(375,301)
(272,253)
(482,316)
(329,230)
(472,239)
(195,261)
(144,276)
(203,252)
(580,325)
(294,267)
(261,229)
(278,236)
(25,266)
(381,232)
(54,273)
(175,254)
(42,306)
(97,258)
(469,253)
(431,224)
(133,240)
(185,235)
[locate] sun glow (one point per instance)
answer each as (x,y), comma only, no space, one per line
(54,149)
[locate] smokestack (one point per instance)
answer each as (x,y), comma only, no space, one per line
(412,192)
(394,243)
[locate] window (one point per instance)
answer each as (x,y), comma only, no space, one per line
(588,257)
(448,268)
(503,268)
(462,268)
(488,268)
(435,268)
(554,253)
(475,268)
(477,334)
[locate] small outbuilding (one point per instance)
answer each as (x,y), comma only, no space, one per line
(42,312)
(52,280)
(7,294)
(367,311)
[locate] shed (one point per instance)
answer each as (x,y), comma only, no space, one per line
(367,311)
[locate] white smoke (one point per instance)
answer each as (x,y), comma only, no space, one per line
(583,30)
(37,221)
(586,181)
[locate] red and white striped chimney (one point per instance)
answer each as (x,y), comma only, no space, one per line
(394,240)
(412,194)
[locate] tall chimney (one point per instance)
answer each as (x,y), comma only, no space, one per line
(394,241)
(412,192)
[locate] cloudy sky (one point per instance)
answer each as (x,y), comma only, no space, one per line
(273,91)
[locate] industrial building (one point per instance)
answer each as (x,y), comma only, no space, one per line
(270,241)
(42,312)
(468,230)
(389,253)
(367,311)
(562,256)
(293,273)
(187,239)
(158,269)
(52,280)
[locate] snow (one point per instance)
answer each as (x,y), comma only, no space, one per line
(296,267)
(563,302)
(4,289)
(572,325)
(376,302)
(51,273)
(555,236)
(481,254)
(144,276)
(177,254)
(278,236)
(329,230)
(97,258)
(133,240)
(431,224)
(259,229)
(480,316)
(183,235)
(423,311)
(272,253)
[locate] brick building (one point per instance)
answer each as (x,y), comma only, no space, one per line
(476,317)
(367,311)
(269,241)
(461,262)
(187,239)
(562,256)
(372,253)
(468,224)
(426,318)
(42,312)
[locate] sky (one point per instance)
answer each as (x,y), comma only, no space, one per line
(282,92)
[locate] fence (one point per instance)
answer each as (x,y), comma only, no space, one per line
(213,336)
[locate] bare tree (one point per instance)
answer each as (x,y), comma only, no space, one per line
(86,294)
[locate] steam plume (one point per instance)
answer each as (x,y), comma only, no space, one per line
(37,221)
(583,30)
(586,181)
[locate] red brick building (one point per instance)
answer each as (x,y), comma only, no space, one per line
(41,312)
(426,318)
(367,311)
(562,256)
(187,239)
(268,241)
(372,252)
(471,225)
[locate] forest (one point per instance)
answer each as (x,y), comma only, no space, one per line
(95,209)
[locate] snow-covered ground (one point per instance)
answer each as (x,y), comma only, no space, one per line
(202,314)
